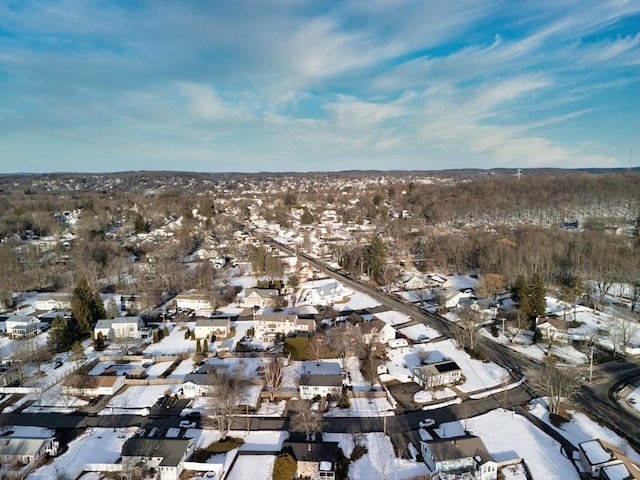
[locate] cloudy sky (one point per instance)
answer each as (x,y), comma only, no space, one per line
(295,85)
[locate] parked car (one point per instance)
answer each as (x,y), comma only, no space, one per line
(427,422)
(187,424)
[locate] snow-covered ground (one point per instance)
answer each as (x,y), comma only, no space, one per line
(136,397)
(633,399)
(380,461)
(581,429)
(363,407)
(478,375)
(357,301)
(393,318)
(508,436)
(255,467)
(96,445)
(419,332)
(173,344)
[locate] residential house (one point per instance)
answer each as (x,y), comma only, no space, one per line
(315,460)
(553,329)
(437,374)
(438,281)
(198,383)
(321,292)
(305,273)
(206,327)
(375,330)
(120,327)
(260,297)
(92,385)
(312,385)
(23,326)
(20,454)
(456,458)
(486,307)
(413,282)
(10,375)
(166,456)
(601,459)
(194,301)
(267,327)
(53,301)
(451,298)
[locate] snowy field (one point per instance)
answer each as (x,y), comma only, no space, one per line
(419,332)
(96,445)
(357,301)
(363,407)
(380,461)
(254,467)
(136,397)
(173,344)
(393,318)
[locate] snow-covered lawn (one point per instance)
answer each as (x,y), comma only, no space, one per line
(96,445)
(255,467)
(566,353)
(173,344)
(393,318)
(424,396)
(363,407)
(158,369)
(271,409)
(136,397)
(478,375)
(509,436)
(183,368)
(419,332)
(380,461)
(357,301)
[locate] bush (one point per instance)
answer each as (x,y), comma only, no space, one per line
(285,467)
(358,452)
(297,347)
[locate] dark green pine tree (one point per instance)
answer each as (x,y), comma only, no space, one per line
(537,296)
(60,338)
(520,289)
(375,257)
(86,308)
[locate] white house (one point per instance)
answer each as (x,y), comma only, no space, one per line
(602,459)
(206,327)
(267,327)
(23,326)
(92,385)
(260,297)
(438,281)
(20,454)
(164,455)
(376,330)
(193,301)
(53,301)
(312,385)
(120,327)
(436,374)
(321,292)
(451,298)
(554,330)
(459,457)
(413,282)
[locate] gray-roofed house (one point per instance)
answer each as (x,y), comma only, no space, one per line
(459,457)
(315,384)
(19,454)
(164,455)
(23,326)
(437,374)
(53,301)
(602,459)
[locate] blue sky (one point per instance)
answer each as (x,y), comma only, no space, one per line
(295,85)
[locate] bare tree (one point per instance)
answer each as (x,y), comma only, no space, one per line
(558,384)
(274,375)
(305,420)
(622,332)
(228,390)
(345,340)
(317,348)
(469,321)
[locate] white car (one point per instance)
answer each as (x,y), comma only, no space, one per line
(187,424)
(427,422)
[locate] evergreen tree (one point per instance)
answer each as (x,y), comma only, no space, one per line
(165,331)
(537,296)
(205,347)
(156,337)
(284,468)
(59,339)
(98,344)
(198,346)
(77,352)
(520,289)
(86,307)
(307,217)
(111,309)
(375,257)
